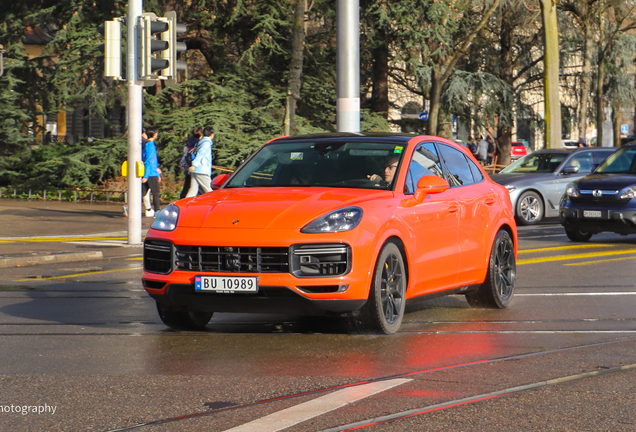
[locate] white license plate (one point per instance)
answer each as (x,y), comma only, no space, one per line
(226,284)
(592,213)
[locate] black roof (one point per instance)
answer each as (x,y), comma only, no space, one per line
(384,136)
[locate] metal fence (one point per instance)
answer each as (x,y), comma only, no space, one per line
(71,194)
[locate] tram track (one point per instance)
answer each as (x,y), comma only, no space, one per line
(417,411)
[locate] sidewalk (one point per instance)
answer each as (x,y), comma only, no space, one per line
(42,232)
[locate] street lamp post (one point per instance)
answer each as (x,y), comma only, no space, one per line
(348,65)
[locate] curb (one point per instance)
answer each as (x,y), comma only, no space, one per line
(30,260)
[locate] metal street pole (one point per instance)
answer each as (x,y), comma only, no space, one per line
(135,121)
(348,65)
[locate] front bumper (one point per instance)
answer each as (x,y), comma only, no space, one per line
(616,220)
(279,292)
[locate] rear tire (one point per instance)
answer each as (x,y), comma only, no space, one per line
(183,320)
(576,235)
(498,288)
(384,310)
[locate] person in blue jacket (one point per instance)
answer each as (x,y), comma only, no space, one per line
(201,168)
(152,173)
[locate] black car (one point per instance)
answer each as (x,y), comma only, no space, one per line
(602,201)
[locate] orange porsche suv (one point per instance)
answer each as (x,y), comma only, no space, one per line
(347,223)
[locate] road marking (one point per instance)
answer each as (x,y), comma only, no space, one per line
(476,398)
(77,275)
(574,256)
(324,404)
(618,293)
(564,248)
(56,239)
(600,261)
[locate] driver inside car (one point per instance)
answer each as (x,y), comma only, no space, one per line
(390,168)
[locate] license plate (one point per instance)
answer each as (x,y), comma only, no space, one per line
(226,284)
(592,213)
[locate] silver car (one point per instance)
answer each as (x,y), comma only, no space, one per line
(537,181)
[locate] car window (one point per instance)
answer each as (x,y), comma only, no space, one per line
(459,171)
(623,161)
(477,174)
(600,156)
(425,161)
(332,163)
(583,160)
(536,163)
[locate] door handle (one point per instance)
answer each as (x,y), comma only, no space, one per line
(453,208)
(489,201)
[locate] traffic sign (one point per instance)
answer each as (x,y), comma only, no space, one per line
(624,129)
(423,116)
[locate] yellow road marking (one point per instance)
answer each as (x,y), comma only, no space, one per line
(600,261)
(135,259)
(77,275)
(574,256)
(565,248)
(58,239)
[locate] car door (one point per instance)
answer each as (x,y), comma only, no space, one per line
(434,224)
(475,199)
(584,160)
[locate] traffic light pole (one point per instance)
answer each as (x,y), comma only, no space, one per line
(135,121)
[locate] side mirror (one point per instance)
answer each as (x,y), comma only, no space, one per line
(570,170)
(218,181)
(428,184)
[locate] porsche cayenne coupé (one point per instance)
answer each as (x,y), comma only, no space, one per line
(346,223)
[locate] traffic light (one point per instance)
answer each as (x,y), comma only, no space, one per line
(112,48)
(174,47)
(151,43)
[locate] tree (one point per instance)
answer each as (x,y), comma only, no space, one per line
(551,74)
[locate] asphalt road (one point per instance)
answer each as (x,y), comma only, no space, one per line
(82,342)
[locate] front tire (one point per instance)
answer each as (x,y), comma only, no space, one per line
(183,320)
(384,311)
(576,235)
(498,288)
(529,208)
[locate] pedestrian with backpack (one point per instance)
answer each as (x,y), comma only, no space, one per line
(201,168)
(186,160)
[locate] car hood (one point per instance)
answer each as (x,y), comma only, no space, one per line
(254,208)
(516,178)
(607,181)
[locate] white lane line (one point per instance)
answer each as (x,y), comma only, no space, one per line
(305,411)
(574,294)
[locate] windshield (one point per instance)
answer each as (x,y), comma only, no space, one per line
(623,161)
(536,163)
(333,163)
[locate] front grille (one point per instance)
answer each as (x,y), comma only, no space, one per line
(157,256)
(590,201)
(232,259)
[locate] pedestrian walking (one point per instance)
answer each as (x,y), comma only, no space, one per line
(186,160)
(152,173)
(482,151)
(201,168)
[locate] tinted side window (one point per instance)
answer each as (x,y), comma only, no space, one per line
(477,175)
(583,160)
(459,172)
(600,156)
(425,161)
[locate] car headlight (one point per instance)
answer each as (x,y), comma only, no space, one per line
(510,188)
(629,193)
(572,190)
(344,219)
(167,219)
